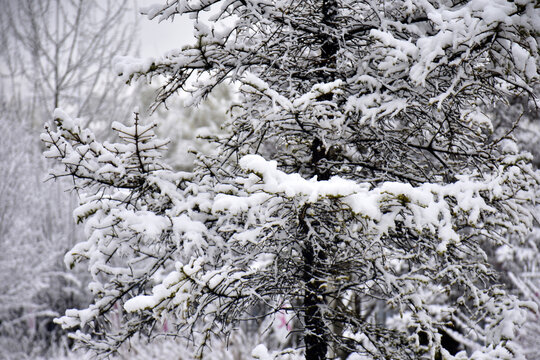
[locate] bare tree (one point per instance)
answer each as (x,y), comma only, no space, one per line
(59,53)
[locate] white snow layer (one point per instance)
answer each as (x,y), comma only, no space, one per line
(423,207)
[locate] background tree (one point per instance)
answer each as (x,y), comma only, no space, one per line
(54,53)
(59,54)
(519,264)
(359,167)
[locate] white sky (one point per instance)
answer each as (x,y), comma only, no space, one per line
(157,38)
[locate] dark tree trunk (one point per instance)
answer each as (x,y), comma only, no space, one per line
(315,330)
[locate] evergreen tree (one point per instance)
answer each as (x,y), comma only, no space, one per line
(358,172)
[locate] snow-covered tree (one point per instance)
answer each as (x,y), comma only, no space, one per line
(359,188)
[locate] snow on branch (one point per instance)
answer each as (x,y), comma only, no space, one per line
(429,207)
